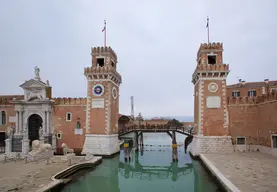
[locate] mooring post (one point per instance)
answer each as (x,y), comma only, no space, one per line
(141,139)
(174,147)
(126,151)
(136,140)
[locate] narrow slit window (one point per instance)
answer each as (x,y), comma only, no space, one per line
(68,116)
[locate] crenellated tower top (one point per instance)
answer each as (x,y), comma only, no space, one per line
(210,62)
(104,62)
(103,56)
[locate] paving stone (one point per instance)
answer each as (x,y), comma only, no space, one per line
(250,172)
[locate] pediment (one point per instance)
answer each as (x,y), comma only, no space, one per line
(32,83)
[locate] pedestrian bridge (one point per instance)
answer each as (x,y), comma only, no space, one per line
(166,128)
(155,129)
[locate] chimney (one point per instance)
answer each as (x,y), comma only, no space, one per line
(239,81)
(266,81)
(243,82)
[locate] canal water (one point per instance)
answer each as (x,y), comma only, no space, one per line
(150,169)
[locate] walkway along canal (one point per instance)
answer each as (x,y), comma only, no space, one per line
(150,169)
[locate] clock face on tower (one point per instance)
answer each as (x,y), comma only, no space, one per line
(98,90)
(213,87)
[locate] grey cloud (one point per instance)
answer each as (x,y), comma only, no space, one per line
(156,42)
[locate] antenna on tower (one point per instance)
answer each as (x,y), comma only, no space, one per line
(132,107)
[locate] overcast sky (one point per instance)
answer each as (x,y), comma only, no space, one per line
(156,42)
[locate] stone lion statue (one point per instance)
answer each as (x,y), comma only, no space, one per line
(10,131)
(66,149)
(38,148)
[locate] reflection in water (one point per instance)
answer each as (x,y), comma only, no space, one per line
(150,169)
(149,172)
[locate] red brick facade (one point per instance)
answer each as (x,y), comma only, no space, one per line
(251,117)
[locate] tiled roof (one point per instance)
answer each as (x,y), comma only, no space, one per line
(252,84)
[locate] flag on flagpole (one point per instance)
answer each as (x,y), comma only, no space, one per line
(104,26)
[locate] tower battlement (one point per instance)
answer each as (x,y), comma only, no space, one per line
(252,100)
(70,101)
(103,51)
(103,56)
(210,46)
(207,67)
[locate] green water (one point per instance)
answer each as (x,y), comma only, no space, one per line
(150,169)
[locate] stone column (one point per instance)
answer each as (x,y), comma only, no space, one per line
(54,143)
(8,147)
(17,123)
(46,123)
(20,121)
(25,145)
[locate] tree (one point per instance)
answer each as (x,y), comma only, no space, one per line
(174,123)
(139,117)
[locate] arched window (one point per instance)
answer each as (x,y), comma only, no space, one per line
(3,118)
(68,116)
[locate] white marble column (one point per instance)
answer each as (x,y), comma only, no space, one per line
(46,122)
(20,121)
(17,123)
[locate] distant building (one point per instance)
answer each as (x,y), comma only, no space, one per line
(251,89)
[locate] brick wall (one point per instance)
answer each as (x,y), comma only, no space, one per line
(254,118)
(243,121)
(9,109)
(267,122)
(67,128)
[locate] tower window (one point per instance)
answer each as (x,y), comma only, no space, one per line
(68,116)
(252,93)
(235,94)
(100,62)
(212,59)
(3,118)
(113,65)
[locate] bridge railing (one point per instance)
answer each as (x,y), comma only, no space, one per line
(153,127)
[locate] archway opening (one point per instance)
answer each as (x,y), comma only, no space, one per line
(34,123)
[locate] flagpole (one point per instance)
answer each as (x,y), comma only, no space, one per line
(208,29)
(105,35)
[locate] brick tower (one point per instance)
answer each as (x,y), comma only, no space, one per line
(210,102)
(102,103)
